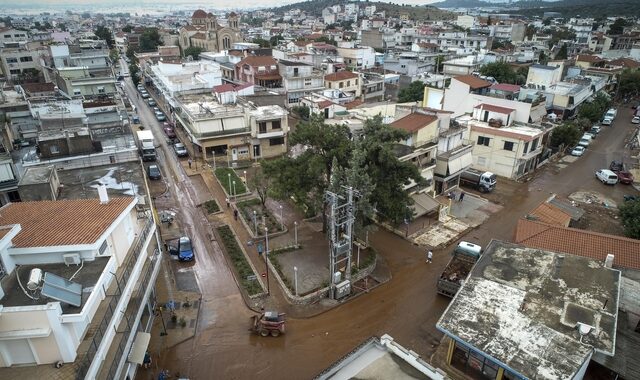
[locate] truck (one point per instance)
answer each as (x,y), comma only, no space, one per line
(483,181)
(146,145)
(464,256)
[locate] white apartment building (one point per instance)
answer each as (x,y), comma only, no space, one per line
(359,58)
(77,287)
(15,61)
(10,35)
(173,79)
(466,21)
(299,79)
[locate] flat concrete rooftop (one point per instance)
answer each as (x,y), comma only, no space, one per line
(122,179)
(520,306)
(87,277)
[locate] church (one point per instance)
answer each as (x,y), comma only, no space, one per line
(205,32)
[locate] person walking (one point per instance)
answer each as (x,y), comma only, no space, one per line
(429,257)
(146,362)
(227,199)
(461,196)
(189,161)
(235,214)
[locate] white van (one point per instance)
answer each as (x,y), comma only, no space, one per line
(607,177)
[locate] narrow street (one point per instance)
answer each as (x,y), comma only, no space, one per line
(407,307)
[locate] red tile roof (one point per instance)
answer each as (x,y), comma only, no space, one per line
(324,104)
(199,14)
(258,60)
(340,75)
(473,81)
(66,222)
(506,87)
(625,62)
(548,213)
(589,244)
(588,58)
(413,122)
(492,108)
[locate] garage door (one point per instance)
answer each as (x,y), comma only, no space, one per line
(18,352)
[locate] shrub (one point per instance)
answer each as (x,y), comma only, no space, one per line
(223,177)
(211,206)
(238,260)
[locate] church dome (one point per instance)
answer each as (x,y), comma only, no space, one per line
(199,14)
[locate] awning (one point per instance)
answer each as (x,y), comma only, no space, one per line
(460,163)
(466,160)
(423,204)
(139,347)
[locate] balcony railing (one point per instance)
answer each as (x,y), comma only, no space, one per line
(127,268)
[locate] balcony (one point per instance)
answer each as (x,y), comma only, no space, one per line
(269,134)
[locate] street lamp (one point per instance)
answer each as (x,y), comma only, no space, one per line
(245,178)
(281,219)
(255,221)
(295,232)
(229,177)
(234,190)
(295,279)
(266,253)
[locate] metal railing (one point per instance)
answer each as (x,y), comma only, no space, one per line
(85,362)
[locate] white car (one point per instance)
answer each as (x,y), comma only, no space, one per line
(578,151)
(635,120)
(607,177)
(584,142)
(607,121)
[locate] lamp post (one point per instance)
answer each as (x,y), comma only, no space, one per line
(266,260)
(295,232)
(234,190)
(295,279)
(229,177)
(245,179)
(281,219)
(255,221)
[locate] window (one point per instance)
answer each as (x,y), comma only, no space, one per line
(348,83)
(276,124)
(508,145)
(295,72)
(12,60)
(276,141)
(261,68)
(7,36)
(26,59)
(483,140)
(526,146)
(534,144)
(356,82)
(101,90)
(262,127)
(54,149)
(341,85)
(77,91)
(14,71)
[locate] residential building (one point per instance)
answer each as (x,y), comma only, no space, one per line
(543,76)
(502,145)
(346,81)
(8,177)
(585,61)
(326,106)
(205,32)
(372,87)
(509,31)
(411,64)
(382,356)
(505,322)
(454,153)
(461,66)
(234,132)
(11,36)
(564,98)
(82,81)
(173,79)
(20,63)
(358,58)
(93,299)
(466,21)
(259,70)
(299,79)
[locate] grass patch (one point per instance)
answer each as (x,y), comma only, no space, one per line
(223,177)
(239,261)
(284,278)
(211,206)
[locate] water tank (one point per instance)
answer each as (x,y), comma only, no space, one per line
(608,261)
(35,278)
(337,277)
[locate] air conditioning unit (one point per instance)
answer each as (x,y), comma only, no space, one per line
(71,258)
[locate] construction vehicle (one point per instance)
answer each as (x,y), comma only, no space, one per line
(485,182)
(464,257)
(268,323)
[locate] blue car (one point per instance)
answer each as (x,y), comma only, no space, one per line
(185,250)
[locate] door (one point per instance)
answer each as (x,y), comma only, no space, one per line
(234,154)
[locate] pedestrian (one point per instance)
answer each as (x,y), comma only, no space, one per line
(461,196)
(235,214)
(227,199)
(189,161)
(146,362)
(429,256)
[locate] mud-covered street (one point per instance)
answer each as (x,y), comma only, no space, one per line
(407,307)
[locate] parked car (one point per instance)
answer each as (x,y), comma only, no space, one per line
(160,116)
(180,149)
(169,132)
(185,250)
(144,94)
(629,198)
(607,121)
(584,142)
(578,151)
(135,119)
(156,109)
(616,166)
(590,135)
(595,130)
(635,120)
(153,171)
(151,102)
(625,177)
(607,177)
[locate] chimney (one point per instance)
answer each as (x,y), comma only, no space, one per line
(102,193)
(608,262)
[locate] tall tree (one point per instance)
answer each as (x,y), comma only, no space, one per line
(629,83)
(194,52)
(501,71)
(630,216)
(562,53)
(127,28)
(150,39)
(414,92)
(618,26)
(104,34)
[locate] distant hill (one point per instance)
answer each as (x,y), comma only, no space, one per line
(568,8)
(418,12)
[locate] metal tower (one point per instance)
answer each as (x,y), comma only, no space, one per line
(341,218)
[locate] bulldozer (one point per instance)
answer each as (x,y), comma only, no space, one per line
(268,323)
